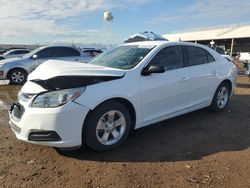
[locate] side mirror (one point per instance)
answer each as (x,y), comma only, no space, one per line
(34,56)
(153,69)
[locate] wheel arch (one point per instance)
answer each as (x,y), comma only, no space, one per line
(229,83)
(226,81)
(13,68)
(121,100)
(213,105)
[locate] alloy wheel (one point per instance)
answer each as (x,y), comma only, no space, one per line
(222,97)
(111,127)
(17,77)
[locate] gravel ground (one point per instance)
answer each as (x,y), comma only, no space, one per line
(199,149)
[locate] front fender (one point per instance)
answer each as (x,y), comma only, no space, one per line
(9,67)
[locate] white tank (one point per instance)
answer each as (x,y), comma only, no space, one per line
(107,16)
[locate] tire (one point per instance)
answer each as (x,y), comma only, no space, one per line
(221,98)
(17,76)
(108,126)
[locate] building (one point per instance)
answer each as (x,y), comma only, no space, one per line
(7,46)
(234,38)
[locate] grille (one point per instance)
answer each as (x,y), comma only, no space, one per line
(18,111)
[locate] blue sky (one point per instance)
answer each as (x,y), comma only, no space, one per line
(81,21)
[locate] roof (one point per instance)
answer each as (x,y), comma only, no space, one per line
(164,43)
(228,32)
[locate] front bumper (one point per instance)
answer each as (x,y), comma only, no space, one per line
(3,75)
(56,127)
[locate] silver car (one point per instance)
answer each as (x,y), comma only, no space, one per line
(14,53)
(17,69)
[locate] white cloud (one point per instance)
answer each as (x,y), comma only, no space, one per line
(207,10)
(52,9)
(219,9)
(18,27)
(162,19)
(20,18)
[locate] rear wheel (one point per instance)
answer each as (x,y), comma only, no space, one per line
(108,126)
(221,98)
(17,76)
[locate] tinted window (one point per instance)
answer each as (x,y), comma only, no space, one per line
(210,57)
(170,57)
(12,53)
(45,53)
(197,56)
(64,52)
(24,51)
(21,52)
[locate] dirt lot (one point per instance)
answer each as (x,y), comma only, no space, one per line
(200,149)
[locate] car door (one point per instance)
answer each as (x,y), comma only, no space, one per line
(65,53)
(203,75)
(165,93)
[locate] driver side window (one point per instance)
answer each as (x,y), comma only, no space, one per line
(170,58)
(45,53)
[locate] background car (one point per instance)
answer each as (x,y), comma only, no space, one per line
(11,48)
(145,36)
(91,51)
(2,51)
(223,53)
(17,69)
(245,58)
(14,53)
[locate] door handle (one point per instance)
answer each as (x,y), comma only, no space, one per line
(214,72)
(183,79)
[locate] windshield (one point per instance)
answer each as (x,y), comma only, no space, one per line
(6,53)
(122,57)
(30,54)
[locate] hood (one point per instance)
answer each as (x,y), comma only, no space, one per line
(56,75)
(10,60)
(53,68)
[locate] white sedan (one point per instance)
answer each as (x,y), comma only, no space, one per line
(14,53)
(130,86)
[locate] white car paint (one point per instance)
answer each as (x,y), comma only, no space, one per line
(245,57)
(56,68)
(155,97)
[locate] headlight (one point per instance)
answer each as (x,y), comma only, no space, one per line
(56,98)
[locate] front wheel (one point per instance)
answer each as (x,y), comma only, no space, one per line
(108,126)
(221,98)
(17,76)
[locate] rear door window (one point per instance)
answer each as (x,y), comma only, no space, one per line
(64,52)
(197,56)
